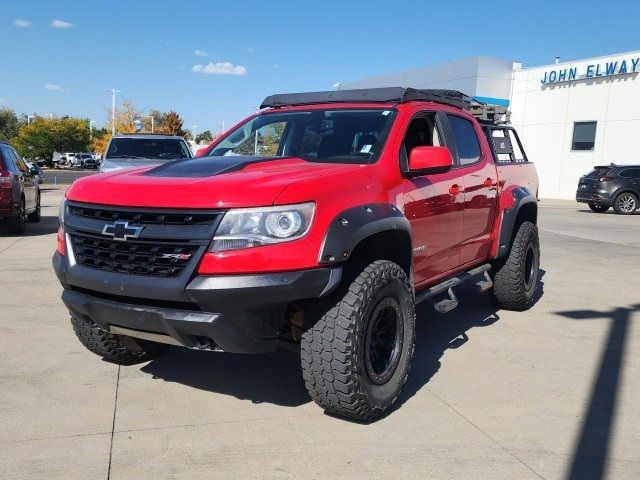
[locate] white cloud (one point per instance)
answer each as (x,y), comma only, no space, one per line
(22,23)
(220,68)
(61,24)
(52,87)
(201,53)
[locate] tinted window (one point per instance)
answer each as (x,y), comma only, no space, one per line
(584,136)
(598,172)
(466,140)
(154,148)
(332,136)
(10,160)
(630,173)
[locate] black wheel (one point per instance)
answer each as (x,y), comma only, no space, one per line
(356,357)
(598,208)
(17,224)
(115,348)
(625,204)
(516,279)
(35,216)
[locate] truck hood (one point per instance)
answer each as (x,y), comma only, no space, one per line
(209,182)
(110,164)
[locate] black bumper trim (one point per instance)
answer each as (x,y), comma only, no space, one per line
(238,313)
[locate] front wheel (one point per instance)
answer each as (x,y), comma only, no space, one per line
(115,348)
(598,208)
(17,224)
(356,357)
(625,204)
(516,279)
(35,216)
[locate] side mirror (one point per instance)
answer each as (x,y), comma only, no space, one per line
(33,171)
(424,160)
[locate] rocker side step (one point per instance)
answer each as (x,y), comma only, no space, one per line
(447,304)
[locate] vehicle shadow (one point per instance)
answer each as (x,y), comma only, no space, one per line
(46,226)
(267,378)
(277,377)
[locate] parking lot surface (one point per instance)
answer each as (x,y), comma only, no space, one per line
(548,393)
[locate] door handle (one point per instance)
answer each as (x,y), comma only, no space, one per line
(489,183)
(455,190)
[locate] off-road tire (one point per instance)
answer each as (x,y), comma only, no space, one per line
(114,348)
(515,279)
(35,216)
(334,362)
(625,204)
(598,208)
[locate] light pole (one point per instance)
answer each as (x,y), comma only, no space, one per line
(193,131)
(91,122)
(29,117)
(113,108)
(151,117)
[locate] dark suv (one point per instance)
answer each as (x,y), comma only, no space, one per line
(19,191)
(616,186)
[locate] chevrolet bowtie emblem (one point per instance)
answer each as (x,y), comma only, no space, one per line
(121,231)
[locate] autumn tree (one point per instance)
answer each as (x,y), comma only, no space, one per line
(42,137)
(204,137)
(172,125)
(9,124)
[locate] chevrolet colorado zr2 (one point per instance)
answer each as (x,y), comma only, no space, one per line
(316,224)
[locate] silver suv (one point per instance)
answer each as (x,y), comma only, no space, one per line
(141,150)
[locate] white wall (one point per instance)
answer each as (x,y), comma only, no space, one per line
(544,117)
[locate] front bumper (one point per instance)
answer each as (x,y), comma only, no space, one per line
(235,313)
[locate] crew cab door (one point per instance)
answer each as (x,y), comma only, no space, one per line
(433,203)
(475,165)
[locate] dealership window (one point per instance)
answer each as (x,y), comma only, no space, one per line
(584,136)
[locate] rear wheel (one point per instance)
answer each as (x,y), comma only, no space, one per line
(598,208)
(17,224)
(35,216)
(356,357)
(625,204)
(115,348)
(516,279)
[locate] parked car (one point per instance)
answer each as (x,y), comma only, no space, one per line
(85,160)
(36,171)
(358,205)
(616,186)
(142,150)
(19,191)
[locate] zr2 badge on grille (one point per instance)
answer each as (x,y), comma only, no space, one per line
(121,231)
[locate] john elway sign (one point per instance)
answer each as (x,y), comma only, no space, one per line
(606,69)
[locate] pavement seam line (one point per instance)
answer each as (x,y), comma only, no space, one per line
(7,248)
(483,432)
(544,230)
(113,423)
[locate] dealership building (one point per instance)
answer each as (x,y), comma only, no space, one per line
(570,115)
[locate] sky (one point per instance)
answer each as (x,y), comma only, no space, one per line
(216,61)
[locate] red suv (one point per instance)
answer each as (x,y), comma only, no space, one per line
(19,191)
(316,225)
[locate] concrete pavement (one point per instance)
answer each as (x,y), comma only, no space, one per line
(549,393)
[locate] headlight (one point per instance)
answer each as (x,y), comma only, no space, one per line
(63,205)
(254,227)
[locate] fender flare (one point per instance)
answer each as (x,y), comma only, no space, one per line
(355,224)
(520,197)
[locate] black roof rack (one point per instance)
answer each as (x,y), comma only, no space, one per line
(482,111)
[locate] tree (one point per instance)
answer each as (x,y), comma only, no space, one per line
(9,124)
(204,137)
(125,117)
(42,137)
(100,140)
(172,125)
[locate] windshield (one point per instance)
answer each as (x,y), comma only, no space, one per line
(330,136)
(153,148)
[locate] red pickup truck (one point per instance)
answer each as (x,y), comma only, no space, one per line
(316,224)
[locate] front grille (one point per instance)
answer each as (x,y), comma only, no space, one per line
(144,217)
(133,257)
